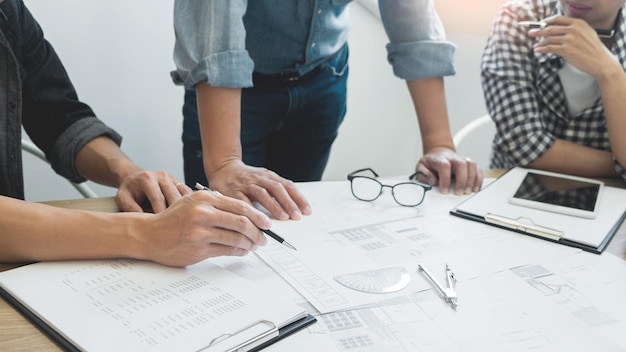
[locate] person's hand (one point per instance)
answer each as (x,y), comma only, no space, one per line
(278,195)
(575,41)
(441,164)
(159,188)
(199,226)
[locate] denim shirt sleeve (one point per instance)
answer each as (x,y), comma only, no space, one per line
(418,47)
(210,43)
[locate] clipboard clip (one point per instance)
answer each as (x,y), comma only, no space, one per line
(524,224)
(269,333)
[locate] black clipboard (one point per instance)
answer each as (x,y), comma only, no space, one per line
(494,210)
(57,338)
(67,345)
(563,241)
(260,320)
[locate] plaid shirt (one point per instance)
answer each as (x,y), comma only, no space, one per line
(523,91)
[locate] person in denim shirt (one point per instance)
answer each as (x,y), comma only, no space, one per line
(266,89)
(36,93)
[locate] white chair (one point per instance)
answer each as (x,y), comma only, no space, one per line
(83,188)
(472,126)
(480,132)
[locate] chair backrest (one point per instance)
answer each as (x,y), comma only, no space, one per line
(82,188)
(474,140)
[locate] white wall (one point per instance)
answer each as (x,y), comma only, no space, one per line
(380,130)
(119,55)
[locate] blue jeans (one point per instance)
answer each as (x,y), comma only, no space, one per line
(287,126)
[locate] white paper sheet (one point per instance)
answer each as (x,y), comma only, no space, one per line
(573,303)
(345,235)
(115,305)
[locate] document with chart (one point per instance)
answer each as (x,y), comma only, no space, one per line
(352,253)
(573,303)
(114,305)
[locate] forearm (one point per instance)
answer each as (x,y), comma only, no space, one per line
(219,112)
(575,159)
(612,84)
(37,232)
(102,161)
(429,99)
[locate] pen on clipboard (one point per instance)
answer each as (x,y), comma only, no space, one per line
(267,232)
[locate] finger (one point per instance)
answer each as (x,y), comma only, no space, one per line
(472,170)
(236,215)
(444,175)
(267,196)
(297,196)
(161,189)
(474,177)
(156,196)
(183,188)
(126,202)
(288,197)
(559,20)
(234,231)
(189,257)
(431,177)
(461,176)
(478,181)
(550,32)
(172,191)
(190,254)
(232,238)
(219,250)
(243,208)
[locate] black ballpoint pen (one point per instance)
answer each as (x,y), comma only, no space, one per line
(267,232)
(278,238)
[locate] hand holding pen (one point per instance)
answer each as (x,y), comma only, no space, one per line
(267,232)
(575,41)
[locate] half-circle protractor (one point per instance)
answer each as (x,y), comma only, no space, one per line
(384,280)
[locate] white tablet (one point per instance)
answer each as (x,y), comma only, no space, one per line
(559,193)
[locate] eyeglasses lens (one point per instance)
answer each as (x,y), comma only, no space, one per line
(365,188)
(408,194)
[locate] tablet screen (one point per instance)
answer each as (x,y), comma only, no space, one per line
(559,191)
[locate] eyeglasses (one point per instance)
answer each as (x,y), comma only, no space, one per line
(408,194)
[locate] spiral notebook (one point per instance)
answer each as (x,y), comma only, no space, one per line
(130,305)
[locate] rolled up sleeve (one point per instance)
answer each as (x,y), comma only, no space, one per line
(418,46)
(210,44)
(72,140)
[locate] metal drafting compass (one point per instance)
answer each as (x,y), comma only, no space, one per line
(448,294)
(385,280)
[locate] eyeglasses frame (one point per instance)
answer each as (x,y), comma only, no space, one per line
(412,177)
